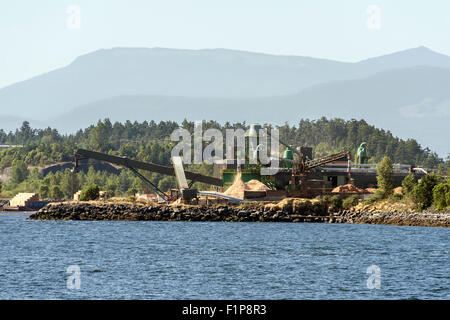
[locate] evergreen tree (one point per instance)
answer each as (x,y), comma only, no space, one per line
(57,194)
(19,171)
(44,191)
(25,133)
(70,184)
(423,192)
(441,196)
(408,184)
(124,182)
(384,176)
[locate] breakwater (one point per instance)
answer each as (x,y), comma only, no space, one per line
(138,212)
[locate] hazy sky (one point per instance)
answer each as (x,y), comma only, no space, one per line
(36,36)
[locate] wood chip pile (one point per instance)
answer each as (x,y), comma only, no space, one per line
(348,188)
(238,187)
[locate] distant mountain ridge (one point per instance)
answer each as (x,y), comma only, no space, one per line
(407,92)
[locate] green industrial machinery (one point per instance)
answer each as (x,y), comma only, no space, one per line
(361,154)
(288,158)
(293,171)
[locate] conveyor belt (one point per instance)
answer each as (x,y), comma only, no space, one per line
(220,195)
(147,166)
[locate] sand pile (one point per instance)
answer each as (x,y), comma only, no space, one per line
(348,188)
(238,187)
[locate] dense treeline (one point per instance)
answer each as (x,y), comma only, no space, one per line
(328,136)
(150,141)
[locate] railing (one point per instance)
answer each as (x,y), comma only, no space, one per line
(372,167)
(322,161)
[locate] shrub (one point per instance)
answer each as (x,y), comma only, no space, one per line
(91,192)
(322,204)
(447,198)
(376,197)
(423,192)
(335,203)
(408,184)
(350,202)
(379,195)
(441,195)
(303,206)
(324,200)
(319,207)
(397,196)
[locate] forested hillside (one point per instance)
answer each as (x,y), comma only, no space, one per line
(149,141)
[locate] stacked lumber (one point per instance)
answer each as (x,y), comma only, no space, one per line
(76,196)
(22,199)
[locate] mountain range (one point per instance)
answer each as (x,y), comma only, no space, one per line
(406,92)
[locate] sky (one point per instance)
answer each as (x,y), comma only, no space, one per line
(40,36)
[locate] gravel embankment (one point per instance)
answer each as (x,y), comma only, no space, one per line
(135,212)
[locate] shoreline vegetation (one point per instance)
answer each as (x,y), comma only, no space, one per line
(287,210)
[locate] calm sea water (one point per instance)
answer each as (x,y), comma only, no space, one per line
(218,260)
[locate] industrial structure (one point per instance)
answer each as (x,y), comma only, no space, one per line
(298,173)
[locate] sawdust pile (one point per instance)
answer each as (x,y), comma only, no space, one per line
(256,185)
(238,187)
(398,190)
(348,188)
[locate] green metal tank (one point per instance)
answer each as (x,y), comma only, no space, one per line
(288,155)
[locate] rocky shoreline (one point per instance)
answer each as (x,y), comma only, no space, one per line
(140,212)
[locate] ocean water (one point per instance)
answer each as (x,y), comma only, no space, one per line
(219,260)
